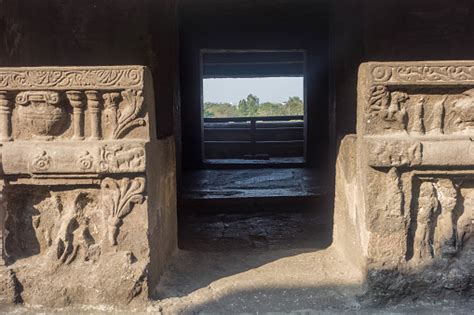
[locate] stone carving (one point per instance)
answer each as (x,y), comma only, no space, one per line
(418,127)
(71,78)
(113,158)
(128,113)
(75,98)
(118,199)
(41,162)
(437,117)
(5,115)
(389,106)
(423,73)
(85,161)
(395,201)
(462,114)
(3,214)
(427,207)
(395,153)
(445,232)
(39,114)
(94,113)
(438,233)
(110,113)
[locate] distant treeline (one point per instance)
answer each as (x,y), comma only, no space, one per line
(251,107)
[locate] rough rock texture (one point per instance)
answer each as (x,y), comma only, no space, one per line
(87,192)
(406,180)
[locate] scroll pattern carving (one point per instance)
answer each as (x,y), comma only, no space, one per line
(118,199)
(423,74)
(71,78)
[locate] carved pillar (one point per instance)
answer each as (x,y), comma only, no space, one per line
(5,114)
(78,114)
(94,114)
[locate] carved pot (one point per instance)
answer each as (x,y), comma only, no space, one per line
(43,120)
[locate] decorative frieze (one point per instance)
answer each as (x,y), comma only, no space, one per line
(423,73)
(71,78)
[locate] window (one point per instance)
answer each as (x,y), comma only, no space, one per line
(253,106)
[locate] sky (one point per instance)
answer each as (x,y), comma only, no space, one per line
(230,90)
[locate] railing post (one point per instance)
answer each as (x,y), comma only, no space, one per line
(253,134)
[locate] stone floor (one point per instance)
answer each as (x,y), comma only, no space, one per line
(251,183)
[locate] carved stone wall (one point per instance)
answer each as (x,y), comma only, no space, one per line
(80,197)
(414,174)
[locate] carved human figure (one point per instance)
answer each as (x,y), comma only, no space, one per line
(395,198)
(445,232)
(437,117)
(389,107)
(418,127)
(464,224)
(427,206)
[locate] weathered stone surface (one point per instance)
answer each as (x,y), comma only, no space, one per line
(413,171)
(88,193)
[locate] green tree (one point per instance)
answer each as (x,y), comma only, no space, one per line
(271,109)
(248,107)
(219,110)
(294,106)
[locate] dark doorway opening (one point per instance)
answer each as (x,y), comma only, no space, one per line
(248,182)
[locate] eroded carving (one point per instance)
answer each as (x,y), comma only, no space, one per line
(40,114)
(395,154)
(5,116)
(427,206)
(394,192)
(445,233)
(463,112)
(118,199)
(389,106)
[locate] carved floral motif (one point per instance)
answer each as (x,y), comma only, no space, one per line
(41,162)
(128,112)
(118,199)
(85,161)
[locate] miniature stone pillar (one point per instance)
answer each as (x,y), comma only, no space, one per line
(94,114)
(78,114)
(5,114)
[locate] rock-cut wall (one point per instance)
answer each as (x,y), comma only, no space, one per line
(405,182)
(87,192)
